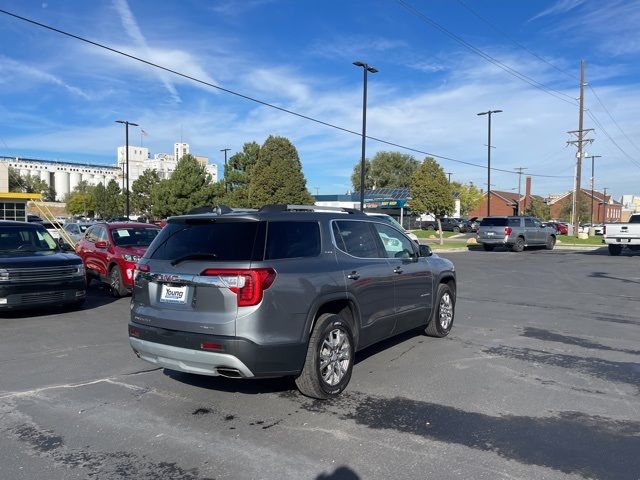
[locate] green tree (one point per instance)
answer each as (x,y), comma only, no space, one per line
(355,176)
(238,175)
(26,183)
(584,212)
(538,208)
(49,195)
(469,195)
(189,187)
(277,175)
(393,169)
(100,200)
(141,192)
(80,203)
(114,201)
(431,192)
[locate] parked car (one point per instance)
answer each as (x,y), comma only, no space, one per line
(620,235)
(560,228)
(110,252)
(52,229)
(76,230)
(35,271)
(474,224)
(515,233)
(280,292)
(34,218)
(392,221)
(448,224)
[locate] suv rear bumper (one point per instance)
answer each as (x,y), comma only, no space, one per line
(190,361)
(235,357)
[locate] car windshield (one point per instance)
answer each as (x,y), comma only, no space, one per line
(27,238)
(134,236)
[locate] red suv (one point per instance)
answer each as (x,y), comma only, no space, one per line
(110,252)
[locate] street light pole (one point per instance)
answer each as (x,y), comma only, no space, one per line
(126,153)
(489,113)
(593,181)
(367,69)
(449,175)
(225,150)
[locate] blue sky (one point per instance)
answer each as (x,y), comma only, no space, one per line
(59,97)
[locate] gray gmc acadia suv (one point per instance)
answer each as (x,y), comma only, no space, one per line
(286,290)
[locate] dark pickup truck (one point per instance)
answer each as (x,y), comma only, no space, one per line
(35,271)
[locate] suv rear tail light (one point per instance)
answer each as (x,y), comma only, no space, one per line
(248,284)
(507,231)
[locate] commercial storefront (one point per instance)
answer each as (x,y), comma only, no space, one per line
(13,205)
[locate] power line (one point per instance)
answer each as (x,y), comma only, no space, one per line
(515,42)
(611,117)
(521,76)
(253,99)
(601,127)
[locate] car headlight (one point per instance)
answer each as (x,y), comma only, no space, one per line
(4,275)
(131,258)
(79,271)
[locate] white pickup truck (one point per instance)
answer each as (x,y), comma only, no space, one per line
(620,235)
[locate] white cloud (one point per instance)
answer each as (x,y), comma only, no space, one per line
(11,68)
(132,29)
(561,6)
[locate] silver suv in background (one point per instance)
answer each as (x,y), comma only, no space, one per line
(515,233)
(286,290)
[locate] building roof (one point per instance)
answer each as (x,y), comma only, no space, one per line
(56,162)
(597,196)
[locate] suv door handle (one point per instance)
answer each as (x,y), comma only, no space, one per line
(397,270)
(353,275)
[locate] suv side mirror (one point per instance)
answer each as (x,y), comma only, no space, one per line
(101,244)
(64,246)
(425,251)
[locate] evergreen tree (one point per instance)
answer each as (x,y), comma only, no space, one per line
(238,175)
(100,200)
(584,211)
(141,192)
(431,192)
(277,175)
(189,187)
(114,201)
(26,183)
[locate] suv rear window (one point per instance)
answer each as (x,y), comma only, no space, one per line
(227,241)
(493,222)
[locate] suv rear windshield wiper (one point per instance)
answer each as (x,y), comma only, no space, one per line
(195,256)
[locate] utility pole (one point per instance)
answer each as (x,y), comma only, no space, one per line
(225,150)
(575,208)
(519,170)
(126,129)
(489,113)
(449,174)
(593,181)
(604,206)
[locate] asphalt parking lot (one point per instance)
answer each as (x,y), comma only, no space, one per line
(539,379)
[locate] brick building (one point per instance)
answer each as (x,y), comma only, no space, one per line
(505,203)
(605,209)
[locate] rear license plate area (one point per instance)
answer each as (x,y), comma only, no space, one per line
(175,294)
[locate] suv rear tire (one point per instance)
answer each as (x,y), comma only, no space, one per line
(518,246)
(443,313)
(115,282)
(329,361)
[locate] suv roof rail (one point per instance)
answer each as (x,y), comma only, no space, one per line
(276,207)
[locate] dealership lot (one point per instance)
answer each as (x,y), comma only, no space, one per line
(539,379)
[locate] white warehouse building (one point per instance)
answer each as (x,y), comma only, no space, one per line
(163,163)
(63,176)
